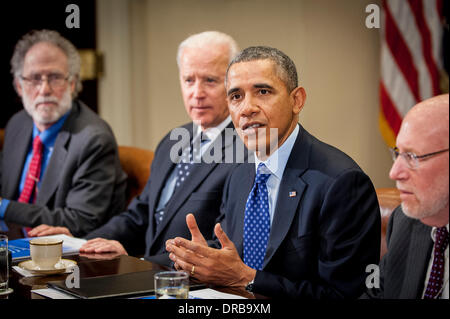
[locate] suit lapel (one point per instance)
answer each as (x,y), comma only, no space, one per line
(199,173)
(51,177)
(22,140)
(420,248)
(237,225)
(285,210)
(287,202)
(159,178)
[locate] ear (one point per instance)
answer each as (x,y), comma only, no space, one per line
(73,84)
(18,86)
(298,96)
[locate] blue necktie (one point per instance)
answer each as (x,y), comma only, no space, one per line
(183,170)
(257,221)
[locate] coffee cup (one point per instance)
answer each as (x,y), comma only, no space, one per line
(46,252)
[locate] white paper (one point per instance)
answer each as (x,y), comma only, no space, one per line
(213,294)
(52,293)
(27,273)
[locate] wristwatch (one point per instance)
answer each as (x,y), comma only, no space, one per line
(249,286)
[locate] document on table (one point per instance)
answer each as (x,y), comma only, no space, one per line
(209,293)
(197,294)
(20,248)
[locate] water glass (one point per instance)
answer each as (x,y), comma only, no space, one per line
(4,264)
(172,285)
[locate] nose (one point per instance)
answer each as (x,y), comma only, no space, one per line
(45,88)
(199,91)
(249,107)
(399,170)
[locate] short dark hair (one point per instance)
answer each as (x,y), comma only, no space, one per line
(287,71)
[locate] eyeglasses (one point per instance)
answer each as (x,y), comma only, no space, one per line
(55,80)
(412,159)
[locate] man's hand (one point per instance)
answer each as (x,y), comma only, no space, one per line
(221,267)
(46,230)
(101,245)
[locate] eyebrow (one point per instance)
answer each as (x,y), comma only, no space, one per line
(231,91)
(262,86)
(256,86)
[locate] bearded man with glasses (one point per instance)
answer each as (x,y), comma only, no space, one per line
(416,265)
(59,166)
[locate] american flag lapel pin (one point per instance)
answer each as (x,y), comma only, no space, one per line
(292,194)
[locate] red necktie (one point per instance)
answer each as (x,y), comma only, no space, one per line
(33,174)
(434,287)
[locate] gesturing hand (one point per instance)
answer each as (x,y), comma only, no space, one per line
(221,267)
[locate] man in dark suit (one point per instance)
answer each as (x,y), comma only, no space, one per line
(59,164)
(304,221)
(172,190)
(416,263)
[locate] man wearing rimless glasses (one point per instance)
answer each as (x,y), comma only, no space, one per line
(416,264)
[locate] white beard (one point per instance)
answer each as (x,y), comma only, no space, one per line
(45,115)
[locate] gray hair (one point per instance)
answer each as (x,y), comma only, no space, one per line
(53,37)
(285,67)
(208,38)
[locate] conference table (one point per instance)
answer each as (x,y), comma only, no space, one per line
(91,265)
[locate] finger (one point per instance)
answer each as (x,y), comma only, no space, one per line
(91,244)
(223,238)
(96,240)
(189,246)
(45,232)
(98,248)
(193,228)
(181,253)
(37,230)
(53,231)
(181,264)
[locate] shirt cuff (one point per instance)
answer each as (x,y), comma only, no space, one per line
(3,207)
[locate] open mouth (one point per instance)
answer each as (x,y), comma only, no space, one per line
(252,126)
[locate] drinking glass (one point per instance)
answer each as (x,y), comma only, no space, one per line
(172,285)
(4,265)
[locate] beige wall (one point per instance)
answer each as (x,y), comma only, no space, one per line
(336,55)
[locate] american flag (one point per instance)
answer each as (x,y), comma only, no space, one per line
(411,59)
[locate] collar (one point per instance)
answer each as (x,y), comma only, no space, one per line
(48,136)
(433,232)
(277,161)
(213,132)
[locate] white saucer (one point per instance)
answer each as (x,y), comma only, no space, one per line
(59,268)
(6,292)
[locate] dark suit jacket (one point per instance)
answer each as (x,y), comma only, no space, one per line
(322,239)
(200,194)
(404,267)
(83,185)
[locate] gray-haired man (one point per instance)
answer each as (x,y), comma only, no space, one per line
(59,166)
(173,191)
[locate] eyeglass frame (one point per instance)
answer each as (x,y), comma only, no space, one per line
(412,156)
(44,77)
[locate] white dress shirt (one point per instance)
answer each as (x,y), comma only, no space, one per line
(276,163)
